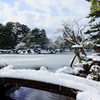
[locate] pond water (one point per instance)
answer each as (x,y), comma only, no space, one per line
(51,61)
(34,94)
(35,61)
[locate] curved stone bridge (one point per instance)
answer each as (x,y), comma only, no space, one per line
(4,81)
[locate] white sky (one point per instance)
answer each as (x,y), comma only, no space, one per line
(43,14)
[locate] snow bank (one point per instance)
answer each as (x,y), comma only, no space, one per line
(2,63)
(69,70)
(95,57)
(46,76)
(66,70)
(89,95)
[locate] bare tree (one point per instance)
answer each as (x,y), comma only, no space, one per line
(74,34)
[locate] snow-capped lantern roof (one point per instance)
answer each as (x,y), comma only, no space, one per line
(77,46)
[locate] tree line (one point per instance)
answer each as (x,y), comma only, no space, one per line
(13,33)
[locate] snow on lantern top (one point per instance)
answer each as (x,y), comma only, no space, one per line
(77,46)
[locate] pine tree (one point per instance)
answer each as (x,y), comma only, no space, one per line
(94,23)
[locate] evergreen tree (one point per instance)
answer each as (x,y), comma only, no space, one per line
(14,33)
(1,36)
(9,36)
(95,21)
(37,37)
(44,40)
(22,32)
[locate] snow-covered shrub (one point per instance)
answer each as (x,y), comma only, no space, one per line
(88,95)
(21,45)
(43,68)
(66,70)
(2,63)
(69,70)
(94,73)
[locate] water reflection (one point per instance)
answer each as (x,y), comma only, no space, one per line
(33,94)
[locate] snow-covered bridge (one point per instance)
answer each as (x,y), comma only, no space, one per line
(54,82)
(50,87)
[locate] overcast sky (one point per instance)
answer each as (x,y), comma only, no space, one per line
(43,14)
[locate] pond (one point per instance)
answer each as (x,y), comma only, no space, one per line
(33,94)
(35,61)
(51,61)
